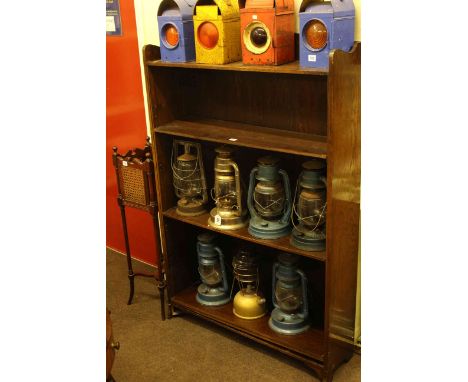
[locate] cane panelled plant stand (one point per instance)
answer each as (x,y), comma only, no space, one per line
(295,114)
(136,189)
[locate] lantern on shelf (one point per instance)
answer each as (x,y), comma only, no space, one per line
(267,31)
(289,291)
(189,178)
(249,302)
(175,24)
(229,213)
(213,290)
(324,26)
(309,207)
(216,25)
(269,200)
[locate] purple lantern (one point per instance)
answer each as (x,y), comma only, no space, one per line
(175,24)
(324,26)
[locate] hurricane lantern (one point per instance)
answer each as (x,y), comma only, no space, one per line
(309,207)
(229,213)
(249,302)
(213,290)
(189,178)
(289,290)
(269,200)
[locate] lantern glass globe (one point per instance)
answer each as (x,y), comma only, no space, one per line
(171,35)
(316,34)
(208,35)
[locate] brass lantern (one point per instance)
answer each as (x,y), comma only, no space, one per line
(189,178)
(269,200)
(249,302)
(310,207)
(229,213)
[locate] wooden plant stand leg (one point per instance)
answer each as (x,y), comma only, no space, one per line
(160,268)
(131,275)
(161,288)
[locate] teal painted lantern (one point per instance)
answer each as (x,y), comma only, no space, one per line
(269,200)
(291,312)
(310,207)
(213,290)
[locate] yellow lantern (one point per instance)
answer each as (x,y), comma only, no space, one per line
(217,32)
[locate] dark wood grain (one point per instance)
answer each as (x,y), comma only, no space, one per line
(281,244)
(297,113)
(343,199)
(269,100)
(308,344)
(245,135)
(289,68)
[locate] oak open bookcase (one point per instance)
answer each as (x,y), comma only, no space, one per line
(294,113)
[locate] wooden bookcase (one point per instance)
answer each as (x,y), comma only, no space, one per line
(294,113)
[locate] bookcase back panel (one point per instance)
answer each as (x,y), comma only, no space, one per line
(287,102)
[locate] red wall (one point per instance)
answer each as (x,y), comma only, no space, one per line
(126,128)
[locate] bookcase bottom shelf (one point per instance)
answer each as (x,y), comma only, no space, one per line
(308,346)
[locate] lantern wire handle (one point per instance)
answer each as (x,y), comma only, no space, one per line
(277,201)
(186,178)
(174,169)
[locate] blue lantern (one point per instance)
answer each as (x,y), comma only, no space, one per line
(213,291)
(324,26)
(175,24)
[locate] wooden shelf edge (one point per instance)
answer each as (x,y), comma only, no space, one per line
(289,68)
(316,354)
(202,222)
(233,133)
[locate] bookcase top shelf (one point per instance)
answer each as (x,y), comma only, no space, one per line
(246,135)
(290,68)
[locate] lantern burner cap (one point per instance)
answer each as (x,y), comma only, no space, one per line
(268,160)
(206,237)
(186,157)
(224,151)
(314,165)
(288,258)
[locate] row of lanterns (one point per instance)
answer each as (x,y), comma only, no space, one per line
(260,32)
(272,208)
(289,286)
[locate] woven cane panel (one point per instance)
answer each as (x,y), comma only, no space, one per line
(133,185)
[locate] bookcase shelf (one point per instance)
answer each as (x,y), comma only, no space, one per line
(290,68)
(309,344)
(281,244)
(245,135)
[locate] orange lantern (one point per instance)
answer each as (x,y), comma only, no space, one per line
(267,31)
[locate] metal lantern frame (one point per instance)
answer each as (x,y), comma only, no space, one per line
(201,208)
(236,217)
(309,239)
(258,226)
(210,254)
(248,306)
(282,322)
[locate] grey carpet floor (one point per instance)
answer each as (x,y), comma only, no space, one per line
(188,349)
